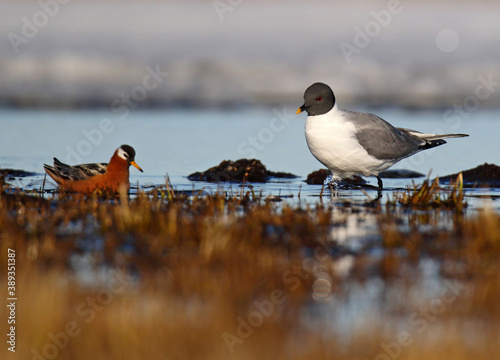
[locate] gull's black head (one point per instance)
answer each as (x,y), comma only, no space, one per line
(318,100)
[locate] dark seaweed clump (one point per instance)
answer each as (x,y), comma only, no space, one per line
(251,170)
(482,175)
(400,174)
(319,176)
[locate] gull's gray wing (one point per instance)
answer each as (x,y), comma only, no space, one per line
(382,140)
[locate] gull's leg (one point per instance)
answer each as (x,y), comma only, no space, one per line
(332,182)
(328,180)
(380,183)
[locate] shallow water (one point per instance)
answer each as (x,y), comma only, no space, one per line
(179,142)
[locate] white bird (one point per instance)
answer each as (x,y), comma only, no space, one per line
(354,143)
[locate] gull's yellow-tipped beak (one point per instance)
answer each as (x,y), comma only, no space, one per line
(134,164)
(299,110)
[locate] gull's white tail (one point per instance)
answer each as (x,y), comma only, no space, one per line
(430,137)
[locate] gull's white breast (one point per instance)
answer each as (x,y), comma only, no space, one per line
(331,139)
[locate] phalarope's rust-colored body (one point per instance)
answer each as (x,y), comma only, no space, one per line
(87,178)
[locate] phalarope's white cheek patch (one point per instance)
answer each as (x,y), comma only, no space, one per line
(122,154)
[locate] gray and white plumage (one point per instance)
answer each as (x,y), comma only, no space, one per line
(354,143)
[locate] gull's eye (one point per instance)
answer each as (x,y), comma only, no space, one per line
(319,98)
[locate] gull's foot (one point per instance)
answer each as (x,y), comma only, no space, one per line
(328,180)
(332,182)
(334,186)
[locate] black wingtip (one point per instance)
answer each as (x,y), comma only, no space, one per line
(431,144)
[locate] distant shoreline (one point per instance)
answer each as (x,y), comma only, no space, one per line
(415,55)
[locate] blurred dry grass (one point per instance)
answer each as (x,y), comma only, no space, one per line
(172,275)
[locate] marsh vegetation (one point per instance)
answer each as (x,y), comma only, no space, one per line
(169,275)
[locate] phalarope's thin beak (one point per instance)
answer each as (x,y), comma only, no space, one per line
(134,164)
